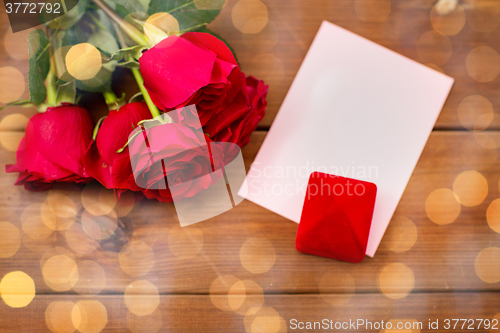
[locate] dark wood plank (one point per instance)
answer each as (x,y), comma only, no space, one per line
(197,313)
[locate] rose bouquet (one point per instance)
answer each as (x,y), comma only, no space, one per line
(176,62)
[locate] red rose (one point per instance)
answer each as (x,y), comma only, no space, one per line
(179,152)
(53,147)
(197,68)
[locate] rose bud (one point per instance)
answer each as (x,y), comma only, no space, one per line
(53,147)
(198,68)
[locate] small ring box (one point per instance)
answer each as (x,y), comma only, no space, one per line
(336,218)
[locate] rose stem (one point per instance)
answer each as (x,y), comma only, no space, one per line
(128,28)
(138,77)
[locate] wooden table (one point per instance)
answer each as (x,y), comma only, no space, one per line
(240,272)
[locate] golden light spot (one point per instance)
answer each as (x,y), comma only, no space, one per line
(54,222)
(245,295)
(493,215)
(54,252)
(485,140)
(432,47)
(92,278)
(144,324)
(483,64)
(475,112)
(99,227)
(62,205)
(16,44)
(471,188)
(450,23)
(372,10)
(10,241)
(33,224)
(79,241)
(89,316)
(125,204)
(60,272)
(483,16)
(396,280)
(257,255)
(249,16)
(444,7)
(268,67)
(476,156)
(497,317)
(14,122)
(12,83)
(58,317)
(263,41)
(83,61)
(17,289)
(11,140)
(442,206)
(408,326)
(336,287)
(58,59)
(98,200)
(209,4)
(136,258)
(142,298)
(401,234)
(266,319)
(159,26)
(219,290)
(487,265)
(38,245)
(185,242)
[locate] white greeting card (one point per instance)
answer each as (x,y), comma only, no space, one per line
(355,109)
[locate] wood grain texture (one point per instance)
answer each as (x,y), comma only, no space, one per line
(441,259)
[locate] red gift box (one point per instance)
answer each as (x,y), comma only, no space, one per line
(336,217)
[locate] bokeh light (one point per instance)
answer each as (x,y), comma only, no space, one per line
(136,258)
(14,122)
(159,26)
(142,298)
(475,112)
(89,316)
(257,255)
(99,227)
(17,289)
(98,200)
(483,64)
(219,290)
(16,44)
(483,15)
(432,47)
(493,215)
(266,319)
(401,234)
(442,206)
(487,265)
(471,187)
(245,295)
(450,23)
(79,241)
(12,83)
(83,61)
(91,278)
(396,280)
(476,156)
(60,273)
(10,240)
(58,317)
(249,16)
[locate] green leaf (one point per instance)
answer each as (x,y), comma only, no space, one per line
(131,6)
(104,41)
(69,19)
(66,93)
(39,64)
(124,54)
(99,83)
(128,64)
(189,13)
